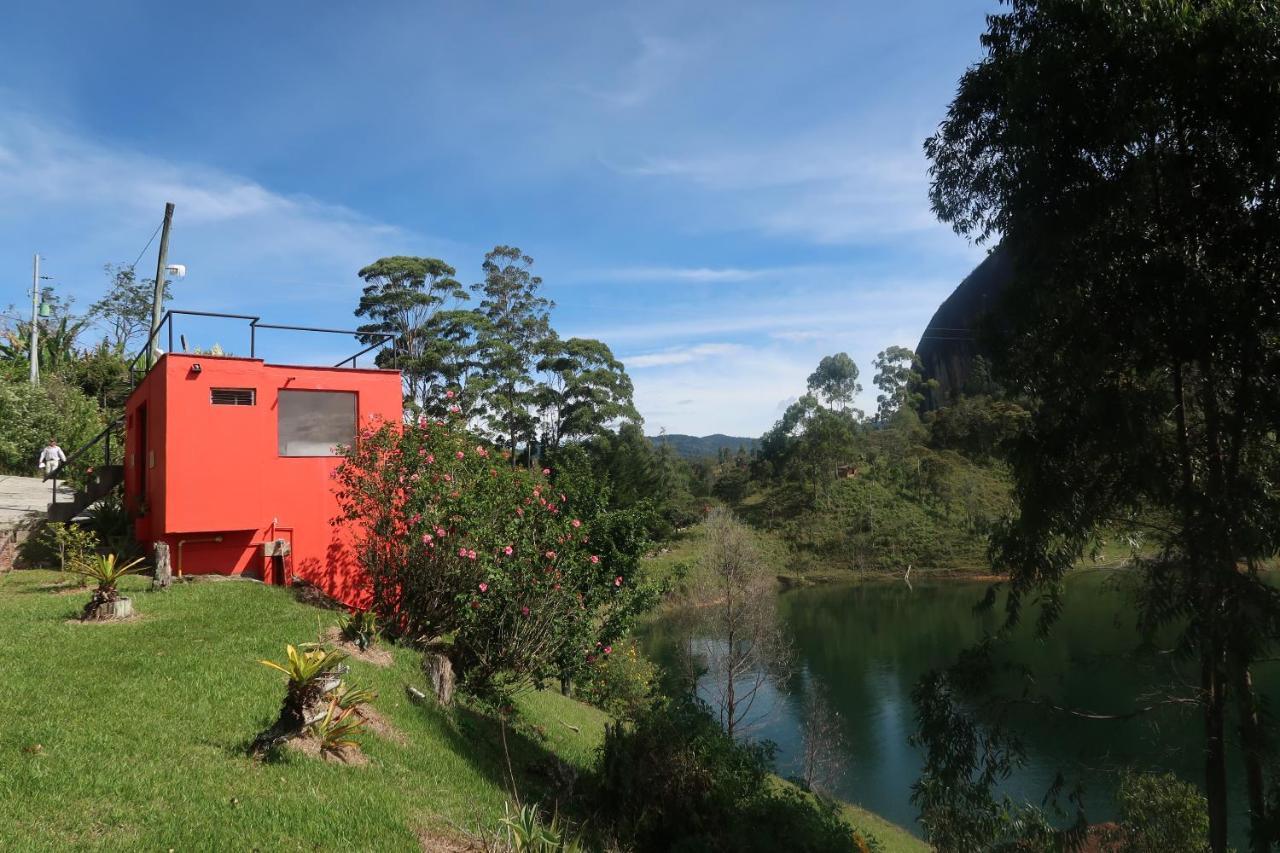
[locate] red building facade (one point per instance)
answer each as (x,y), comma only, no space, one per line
(229,461)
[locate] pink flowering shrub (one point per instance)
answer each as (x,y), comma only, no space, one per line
(457,542)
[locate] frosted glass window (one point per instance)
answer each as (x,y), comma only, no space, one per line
(315,423)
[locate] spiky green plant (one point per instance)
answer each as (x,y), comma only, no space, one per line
(106,570)
(525,832)
(351,698)
(307,667)
(359,627)
(337,728)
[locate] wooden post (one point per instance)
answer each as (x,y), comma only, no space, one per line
(164,573)
(157,300)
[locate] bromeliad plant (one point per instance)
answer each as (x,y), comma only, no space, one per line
(457,541)
(312,671)
(359,627)
(106,571)
(336,729)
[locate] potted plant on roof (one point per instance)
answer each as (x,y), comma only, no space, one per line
(106,601)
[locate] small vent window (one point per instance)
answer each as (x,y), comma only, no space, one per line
(232,396)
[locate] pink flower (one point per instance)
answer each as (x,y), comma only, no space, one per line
(595,558)
(448,478)
(426,537)
(546,470)
(608,650)
(524,611)
(449,395)
(484,587)
(462,552)
(520,511)
(454,409)
(551,555)
(459,454)
(617,581)
(440,532)
(508,550)
(471,555)
(576,523)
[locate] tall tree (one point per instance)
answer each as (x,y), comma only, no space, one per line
(402,296)
(1128,154)
(516,327)
(125,309)
(836,381)
(584,391)
(898,376)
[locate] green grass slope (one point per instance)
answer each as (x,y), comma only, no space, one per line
(132,735)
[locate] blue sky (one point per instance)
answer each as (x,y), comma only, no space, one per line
(723,193)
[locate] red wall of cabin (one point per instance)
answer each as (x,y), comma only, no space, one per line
(216,470)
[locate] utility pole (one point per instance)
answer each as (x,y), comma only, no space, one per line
(35,316)
(157,301)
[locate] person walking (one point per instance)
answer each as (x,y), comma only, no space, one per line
(51,457)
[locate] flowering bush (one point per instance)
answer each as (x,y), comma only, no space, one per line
(457,541)
(620,682)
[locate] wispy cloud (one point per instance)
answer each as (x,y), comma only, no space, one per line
(708,275)
(830,185)
(240,240)
(680,355)
(657,64)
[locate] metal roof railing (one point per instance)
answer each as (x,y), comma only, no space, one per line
(255,323)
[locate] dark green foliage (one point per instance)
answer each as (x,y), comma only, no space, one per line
(982,428)
(586,389)
(1126,154)
(410,298)
(694,447)
(674,781)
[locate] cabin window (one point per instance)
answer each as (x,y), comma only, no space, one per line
(316,423)
(232,396)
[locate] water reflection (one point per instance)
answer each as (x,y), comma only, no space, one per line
(869,644)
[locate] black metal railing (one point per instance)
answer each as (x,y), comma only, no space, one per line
(103,438)
(255,323)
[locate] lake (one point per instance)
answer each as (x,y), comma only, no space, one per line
(869,643)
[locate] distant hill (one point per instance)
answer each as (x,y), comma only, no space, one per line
(695,447)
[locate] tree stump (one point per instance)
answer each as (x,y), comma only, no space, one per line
(119,608)
(164,572)
(439,671)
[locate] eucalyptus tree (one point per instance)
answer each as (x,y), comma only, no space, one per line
(403,296)
(585,389)
(898,376)
(1127,155)
(514,332)
(836,381)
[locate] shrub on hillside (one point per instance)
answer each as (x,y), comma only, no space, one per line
(458,541)
(1160,812)
(621,682)
(32,414)
(673,780)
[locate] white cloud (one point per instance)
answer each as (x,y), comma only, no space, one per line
(695,274)
(681,355)
(658,64)
(84,203)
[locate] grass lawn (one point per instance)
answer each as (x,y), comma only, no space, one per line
(132,735)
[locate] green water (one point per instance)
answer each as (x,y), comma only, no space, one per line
(869,644)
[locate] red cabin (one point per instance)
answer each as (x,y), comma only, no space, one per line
(229,461)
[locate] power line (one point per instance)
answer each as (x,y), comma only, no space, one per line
(148,246)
